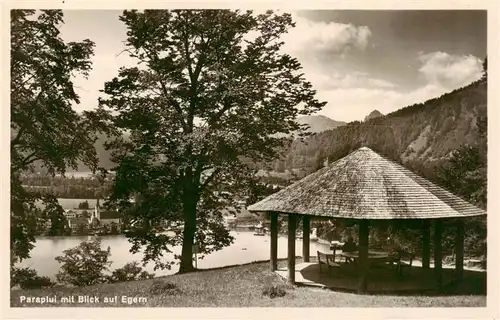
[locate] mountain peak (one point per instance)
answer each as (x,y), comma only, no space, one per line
(374,114)
(319,123)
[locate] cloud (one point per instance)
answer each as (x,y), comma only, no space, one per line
(364,80)
(349,104)
(105,67)
(351,94)
(310,37)
(332,37)
(336,80)
(356,94)
(450,71)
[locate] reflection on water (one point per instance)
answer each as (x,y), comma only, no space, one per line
(246,248)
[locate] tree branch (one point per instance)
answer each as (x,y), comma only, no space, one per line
(154,57)
(16,140)
(194,77)
(188,58)
(174,104)
(26,161)
(201,60)
(209,179)
(200,165)
(26,81)
(226,106)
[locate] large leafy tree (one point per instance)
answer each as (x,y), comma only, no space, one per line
(465,172)
(212,92)
(45,130)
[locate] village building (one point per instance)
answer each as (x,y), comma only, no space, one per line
(109,217)
(105,217)
(70,214)
(77,213)
(75,223)
(95,216)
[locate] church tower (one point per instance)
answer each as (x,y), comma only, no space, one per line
(97,213)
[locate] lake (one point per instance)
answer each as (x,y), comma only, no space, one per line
(72,203)
(246,248)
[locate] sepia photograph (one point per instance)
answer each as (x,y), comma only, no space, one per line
(222,158)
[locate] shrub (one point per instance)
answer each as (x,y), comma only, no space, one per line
(84,264)
(83,205)
(129,272)
(113,229)
(274,291)
(27,278)
(163,287)
(449,260)
(144,275)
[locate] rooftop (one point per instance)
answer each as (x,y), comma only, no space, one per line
(365,185)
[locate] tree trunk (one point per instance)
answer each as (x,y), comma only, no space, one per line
(292,226)
(364,232)
(438,251)
(190,201)
(274,241)
(306,227)
(426,247)
(186,264)
(459,245)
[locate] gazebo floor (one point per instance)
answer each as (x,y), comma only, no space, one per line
(381,279)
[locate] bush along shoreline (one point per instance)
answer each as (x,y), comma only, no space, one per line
(84,265)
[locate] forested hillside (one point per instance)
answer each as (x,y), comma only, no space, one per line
(421,136)
(103,155)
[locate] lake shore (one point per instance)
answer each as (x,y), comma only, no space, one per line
(245,249)
(242,286)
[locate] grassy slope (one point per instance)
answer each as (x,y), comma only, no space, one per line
(239,286)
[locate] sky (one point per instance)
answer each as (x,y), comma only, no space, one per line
(358,61)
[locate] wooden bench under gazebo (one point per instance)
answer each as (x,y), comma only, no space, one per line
(364,187)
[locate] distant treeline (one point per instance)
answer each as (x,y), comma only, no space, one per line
(67,187)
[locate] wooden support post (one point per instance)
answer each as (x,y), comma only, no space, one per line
(291,247)
(426,244)
(274,241)
(306,229)
(363,256)
(459,250)
(438,254)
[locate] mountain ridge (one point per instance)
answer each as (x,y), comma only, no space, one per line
(420,136)
(320,123)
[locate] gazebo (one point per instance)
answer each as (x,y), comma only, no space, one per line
(362,187)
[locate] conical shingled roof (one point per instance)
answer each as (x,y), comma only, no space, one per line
(365,185)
